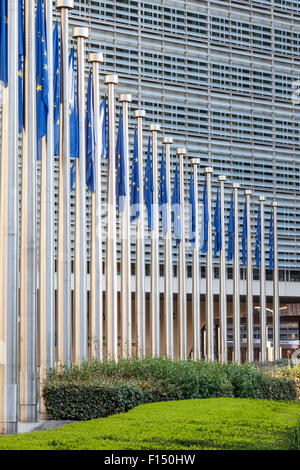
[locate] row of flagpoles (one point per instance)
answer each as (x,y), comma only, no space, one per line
(54,120)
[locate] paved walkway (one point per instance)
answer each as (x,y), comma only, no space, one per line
(42,425)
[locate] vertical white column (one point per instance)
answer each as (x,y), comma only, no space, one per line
(126,248)
(196,267)
(209,298)
(263,312)
(111,314)
(249,299)
(276,302)
(236,280)
(96,308)
(222,280)
(155,294)
(168,295)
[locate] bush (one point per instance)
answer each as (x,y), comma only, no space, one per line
(100,389)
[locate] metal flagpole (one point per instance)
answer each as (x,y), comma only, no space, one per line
(168,297)
(263,318)
(140,308)
(126,248)
(276,302)
(209,299)
(9,235)
(155,294)
(80,304)
(28,376)
(46,275)
(96,308)
(223,296)
(236,280)
(196,266)
(64,241)
(111,314)
(181,152)
(250,355)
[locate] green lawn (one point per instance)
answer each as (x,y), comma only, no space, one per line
(216,423)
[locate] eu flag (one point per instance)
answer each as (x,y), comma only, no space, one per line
(148,187)
(120,167)
(20,55)
(176,208)
(204,222)
(73,109)
(162,195)
(257,244)
(230,231)
(217,225)
(135,182)
(3,42)
(102,137)
(90,138)
(271,245)
(73,175)
(41,76)
(244,238)
(56,88)
(192,224)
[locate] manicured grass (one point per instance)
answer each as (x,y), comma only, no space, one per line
(215,423)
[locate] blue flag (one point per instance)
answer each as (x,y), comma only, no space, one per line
(90,138)
(56,88)
(20,55)
(244,238)
(102,137)
(73,175)
(176,208)
(74,134)
(230,231)
(120,167)
(271,245)
(148,186)
(3,42)
(204,222)
(192,224)
(41,76)
(257,244)
(162,194)
(135,182)
(217,226)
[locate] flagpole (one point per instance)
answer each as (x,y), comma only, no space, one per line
(126,248)
(64,239)
(9,235)
(168,297)
(209,299)
(111,317)
(28,376)
(263,325)
(236,280)
(276,302)
(80,304)
(96,307)
(140,308)
(196,278)
(222,280)
(250,356)
(155,293)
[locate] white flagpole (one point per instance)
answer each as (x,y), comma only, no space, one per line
(168,297)
(263,312)
(111,314)
(140,308)
(28,375)
(125,99)
(46,275)
(64,239)
(276,302)
(209,298)
(96,297)
(222,280)
(236,280)
(9,236)
(250,355)
(80,304)
(181,152)
(196,266)
(155,293)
